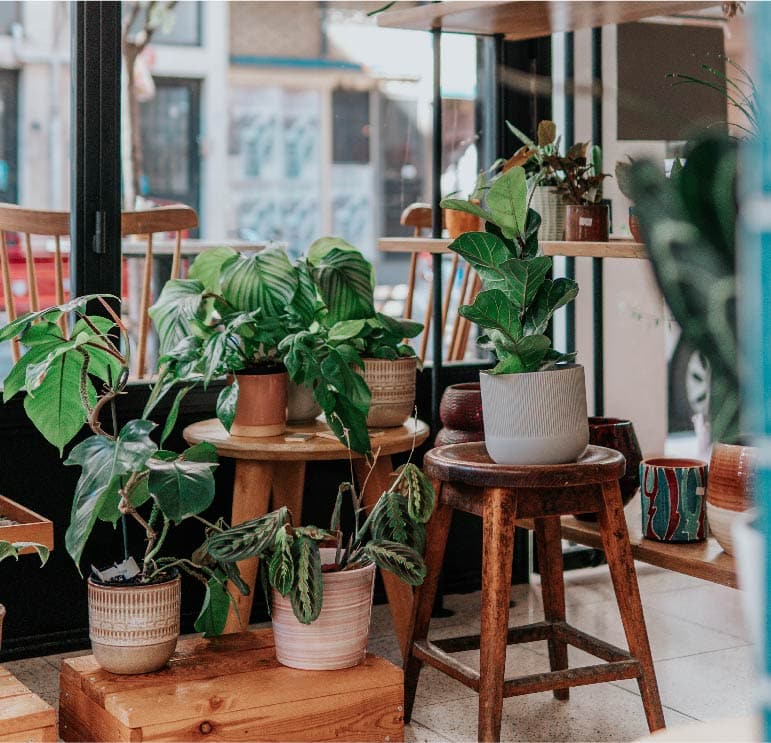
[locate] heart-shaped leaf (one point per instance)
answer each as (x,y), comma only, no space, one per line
(344,278)
(175,310)
(264,280)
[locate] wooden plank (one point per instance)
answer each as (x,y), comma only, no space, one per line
(611,249)
(414,244)
(24,712)
(32,527)
(33,736)
(82,719)
(10,686)
(530,20)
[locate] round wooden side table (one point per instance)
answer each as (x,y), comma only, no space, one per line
(270,473)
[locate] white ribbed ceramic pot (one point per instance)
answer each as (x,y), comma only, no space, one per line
(392,384)
(549,204)
(537,417)
(301,405)
(338,638)
(133,629)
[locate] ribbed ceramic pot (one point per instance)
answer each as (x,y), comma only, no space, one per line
(587,222)
(549,204)
(338,638)
(461,413)
(392,385)
(301,405)
(535,418)
(133,629)
(261,406)
(672,499)
(729,490)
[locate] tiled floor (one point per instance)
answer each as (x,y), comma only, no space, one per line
(702,654)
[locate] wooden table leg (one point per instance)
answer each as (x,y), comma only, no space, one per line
(618,551)
(399,593)
(251,498)
(288,486)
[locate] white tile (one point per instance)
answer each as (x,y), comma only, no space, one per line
(417,733)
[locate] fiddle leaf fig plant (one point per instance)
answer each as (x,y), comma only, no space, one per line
(519,298)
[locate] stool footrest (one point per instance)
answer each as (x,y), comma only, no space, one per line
(426,652)
(589,643)
(549,680)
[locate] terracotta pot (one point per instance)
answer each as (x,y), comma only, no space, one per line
(587,222)
(301,404)
(338,638)
(634,226)
(618,434)
(461,414)
(535,417)
(459,222)
(261,406)
(392,384)
(133,629)
(729,490)
(549,204)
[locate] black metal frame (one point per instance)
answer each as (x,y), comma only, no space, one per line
(597,274)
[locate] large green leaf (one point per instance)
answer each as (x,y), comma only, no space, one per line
(404,562)
(493,309)
(251,538)
(207,266)
(111,498)
(264,280)
(101,363)
(103,460)
(486,253)
(13,549)
(281,566)
(463,205)
(319,248)
(174,311)
(507,201)
(307,594)
(550,297)
(305,300)
(214,611)
(182,487)
(344,278)
(418,490)
(391,521)
(524,278)
(527,356)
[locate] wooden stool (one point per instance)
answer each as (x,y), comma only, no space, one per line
(465,478)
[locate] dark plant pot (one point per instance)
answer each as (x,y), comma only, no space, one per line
(461,414)
(618,434)
(634,225)
(587,222)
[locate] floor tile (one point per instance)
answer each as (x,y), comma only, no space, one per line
(417,733)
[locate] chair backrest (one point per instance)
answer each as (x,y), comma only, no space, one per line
(27,284)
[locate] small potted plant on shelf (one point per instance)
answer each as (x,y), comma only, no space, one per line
(533,400)
(322,581)
(76,378)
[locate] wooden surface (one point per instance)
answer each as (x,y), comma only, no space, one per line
(705,560)
(326,447)
(529,20)
(611,249)
(414,244)
(231,688)
(32,527)
(24,715)
(191,246)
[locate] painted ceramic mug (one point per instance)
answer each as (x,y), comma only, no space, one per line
(673,499)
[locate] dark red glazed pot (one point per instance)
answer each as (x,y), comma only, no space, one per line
(461,414)
(587,222)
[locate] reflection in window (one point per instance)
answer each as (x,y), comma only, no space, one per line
(179,23)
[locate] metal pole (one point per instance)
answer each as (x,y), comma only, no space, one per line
(598,309)
(570,133)
(436,231)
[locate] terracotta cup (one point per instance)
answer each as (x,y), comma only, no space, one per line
(261,406)
(587,222)
(618,434)
(461,414)
(673,499)
(729,492)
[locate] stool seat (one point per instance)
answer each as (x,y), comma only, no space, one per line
(470,464)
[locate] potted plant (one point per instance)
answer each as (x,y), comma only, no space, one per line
(321,580)
(459,219)
(75,378)
(533,401)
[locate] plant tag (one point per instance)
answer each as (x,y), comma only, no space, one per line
(585,221)
(125,570)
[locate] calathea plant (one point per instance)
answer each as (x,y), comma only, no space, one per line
(77,377)
(392,537)
(519,298)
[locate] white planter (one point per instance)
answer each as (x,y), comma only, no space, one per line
(551,207)
(338,638)
(301,405)
(535,418)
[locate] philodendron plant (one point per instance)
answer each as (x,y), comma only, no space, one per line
(519,298)
(77,377)
(392,537)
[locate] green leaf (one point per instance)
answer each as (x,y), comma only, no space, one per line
(226,404)
(281,566)
(550,297)
(264,280)
(507,201)
(391,521)
(214,611)
(251,538)
(493,309)
(463,205)
(103,460)
(201,452)
(13,549)
(171,420)
(404,562)
(305,300)
(486,253)
(345,280)
(111,498)
(524,278)
(307,594)
(174,312)
(319,248)
(346,329)
(418,490)
(181,488)
(207,266)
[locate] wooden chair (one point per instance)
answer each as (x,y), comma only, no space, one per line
(28,222)
(418,216)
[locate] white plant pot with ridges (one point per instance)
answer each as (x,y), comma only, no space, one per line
(535,418)
(551,207)
(338,638)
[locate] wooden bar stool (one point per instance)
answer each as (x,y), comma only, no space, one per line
(465,478)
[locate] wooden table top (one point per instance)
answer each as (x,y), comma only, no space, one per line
(323,445)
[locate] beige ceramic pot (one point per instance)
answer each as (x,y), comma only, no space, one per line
(729,489)
(392,384)
(549,204)
(261,407)
(133,629)
(338,638)
(301,404)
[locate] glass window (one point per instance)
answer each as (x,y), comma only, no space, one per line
(10,13)
(180,25)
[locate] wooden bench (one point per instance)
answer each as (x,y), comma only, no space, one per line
(24,716)
(231,688)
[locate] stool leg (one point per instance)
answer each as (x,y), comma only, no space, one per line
(497,555)
(618,551)
(548,541)
(436,541)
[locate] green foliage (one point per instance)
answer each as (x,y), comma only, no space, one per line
(214,610)
(578,174)
(689,226)
(14,549)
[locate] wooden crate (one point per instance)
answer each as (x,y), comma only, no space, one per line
(32,527)
(24,716)
(231,688)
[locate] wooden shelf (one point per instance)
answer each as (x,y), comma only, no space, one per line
(31,527)
(611,249)
(530,20)
(414,244)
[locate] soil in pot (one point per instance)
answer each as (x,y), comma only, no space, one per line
(392,385)
(134,627)
(262,402)
(587,222)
